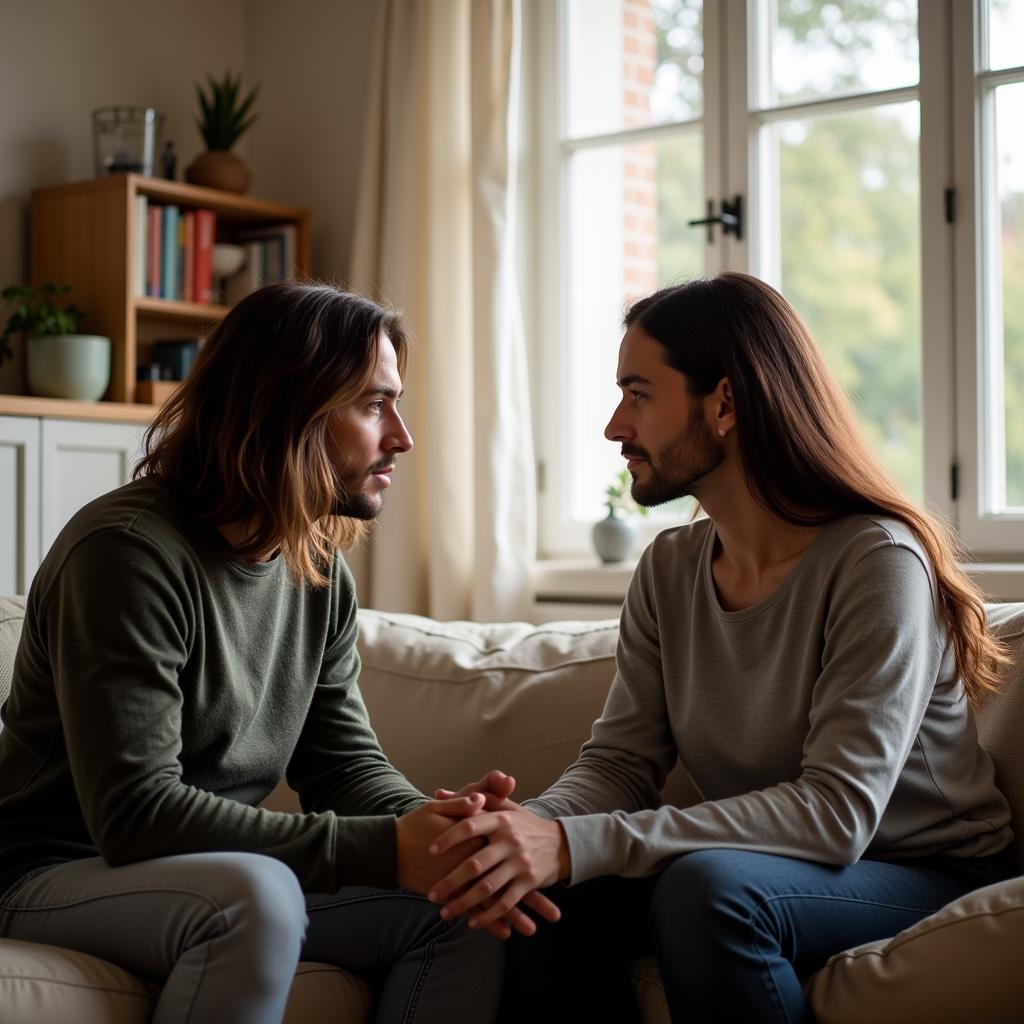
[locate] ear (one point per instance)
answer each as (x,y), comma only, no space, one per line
(723,409)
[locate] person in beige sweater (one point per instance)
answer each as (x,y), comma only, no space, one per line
(812,652)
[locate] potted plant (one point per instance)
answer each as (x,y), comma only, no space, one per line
(61,362)
(224,118)
(613,536)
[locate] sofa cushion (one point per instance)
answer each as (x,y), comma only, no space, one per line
(324,993)
(1000,718)
(450,700)
(41,984)
(960,964)
(12,614)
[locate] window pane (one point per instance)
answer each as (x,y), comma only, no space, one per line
(628,207)
(1010,190)
(633,63)
(849,237)
(817,49)
(1005,34)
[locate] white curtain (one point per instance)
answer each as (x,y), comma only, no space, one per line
(435,232)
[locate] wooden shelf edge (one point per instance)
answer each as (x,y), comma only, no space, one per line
(174,309)
(63,408)
(227,204)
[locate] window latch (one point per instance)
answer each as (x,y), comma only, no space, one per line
(731,218)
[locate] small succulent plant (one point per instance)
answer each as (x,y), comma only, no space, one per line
(225,115)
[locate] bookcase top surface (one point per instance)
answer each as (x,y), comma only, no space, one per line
(226,204)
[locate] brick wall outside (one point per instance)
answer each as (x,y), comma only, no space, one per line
(640,194)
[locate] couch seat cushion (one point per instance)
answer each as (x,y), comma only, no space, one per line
(43,984)
(960,964)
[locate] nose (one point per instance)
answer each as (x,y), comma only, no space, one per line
(399,438)
(617,428)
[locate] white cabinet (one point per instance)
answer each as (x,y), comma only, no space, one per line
(19,503)
(49,469)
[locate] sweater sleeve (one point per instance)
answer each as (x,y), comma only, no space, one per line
(338,764)
(883,647)
(120,624)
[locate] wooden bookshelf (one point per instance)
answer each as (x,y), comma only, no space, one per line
(83,235)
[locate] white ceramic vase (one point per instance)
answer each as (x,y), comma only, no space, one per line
(613,538)
(75,366)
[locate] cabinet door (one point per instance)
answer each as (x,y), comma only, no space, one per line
(19,503)
(82,460)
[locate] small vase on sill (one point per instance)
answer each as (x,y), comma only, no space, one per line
(613,538)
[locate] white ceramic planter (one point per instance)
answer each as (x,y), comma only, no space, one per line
(613,538)
(73,366)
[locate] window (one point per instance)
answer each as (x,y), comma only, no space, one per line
(846,131)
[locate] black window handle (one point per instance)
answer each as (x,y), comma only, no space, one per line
(731,219)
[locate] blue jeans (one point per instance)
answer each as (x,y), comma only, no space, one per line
(222,933)
(736,934)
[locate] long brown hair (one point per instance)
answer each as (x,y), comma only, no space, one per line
(799,442)
(244,438)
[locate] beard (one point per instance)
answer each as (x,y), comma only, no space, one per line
(677,469)
(352,501)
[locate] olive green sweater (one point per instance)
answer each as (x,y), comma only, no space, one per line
(162,689)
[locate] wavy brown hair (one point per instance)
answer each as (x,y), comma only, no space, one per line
(244,438)
(799,441)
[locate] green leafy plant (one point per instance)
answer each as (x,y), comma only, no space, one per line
(619,497)
(225,117)
(37,312)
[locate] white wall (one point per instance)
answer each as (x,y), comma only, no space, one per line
(314,59)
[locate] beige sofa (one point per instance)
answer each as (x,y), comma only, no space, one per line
(450,700)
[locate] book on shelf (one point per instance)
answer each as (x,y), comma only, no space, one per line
(169,279)
(140,250)
(174,252)
(270,256)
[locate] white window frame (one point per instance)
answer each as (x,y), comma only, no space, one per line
(949,91)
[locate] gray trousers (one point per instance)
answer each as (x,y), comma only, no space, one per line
(222,933)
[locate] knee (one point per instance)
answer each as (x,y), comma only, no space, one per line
(260,893)
(700,891)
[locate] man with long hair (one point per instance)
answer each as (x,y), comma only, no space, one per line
(189,640)
(811,650)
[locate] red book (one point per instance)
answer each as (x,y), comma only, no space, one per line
(206,223)
(156,248)
(188,292)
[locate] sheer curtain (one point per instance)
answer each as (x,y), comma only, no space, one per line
(435,231)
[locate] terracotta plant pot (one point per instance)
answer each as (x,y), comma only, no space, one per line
(219,168)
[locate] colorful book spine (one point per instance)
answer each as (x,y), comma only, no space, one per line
(169,285)
(205,229)
(188,256)
(155,280)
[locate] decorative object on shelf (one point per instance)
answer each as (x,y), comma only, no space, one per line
(169,161)
(61,363)
(125,139)
(614,535)
(225,118)
(228,260)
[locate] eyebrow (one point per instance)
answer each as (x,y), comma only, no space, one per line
(386,392)
(632,378)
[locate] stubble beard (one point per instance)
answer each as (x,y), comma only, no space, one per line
(352,501)
(680,465)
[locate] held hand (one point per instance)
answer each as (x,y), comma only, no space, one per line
(416,831)
(524,852)
(496,787)
(418,869)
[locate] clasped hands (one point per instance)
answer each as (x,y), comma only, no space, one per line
(486,855)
